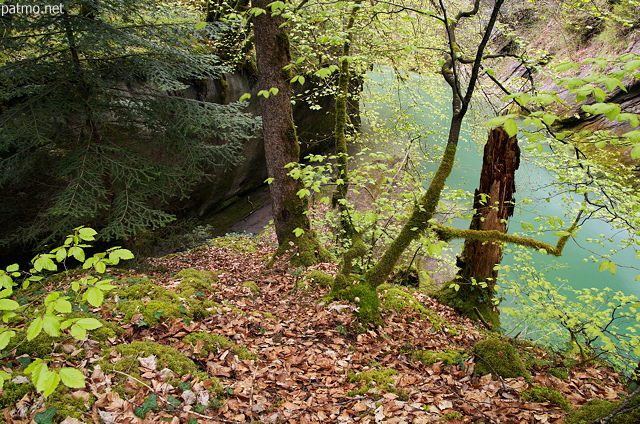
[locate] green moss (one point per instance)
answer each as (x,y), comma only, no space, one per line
(67,405)
(469,301)
(166,357)
(366,298)
(194,281)
(447,357)
(395,298)
(252,285)
(144,288)
(453,415)
(319,278)
(12,393)
(42,346)
(376,381)
(306,249)
(153,311)
(241,243)
(552,395)
(498,356)
(199,309)
(215,344)
(597,408)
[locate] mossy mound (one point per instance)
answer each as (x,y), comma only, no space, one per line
(498,356)
(145,288)
(469,301)
(406,276)
(319,278)
(241,243)
(552,395)
(375,383)
(153,311)
(597,408)
(166,357)
(195,282)
(215,344)
(396,298)
(447,357)
(366,299)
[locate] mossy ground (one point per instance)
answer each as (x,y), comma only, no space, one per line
(447,357)
(597,408)
(215,344)
(376,382)
(498,356)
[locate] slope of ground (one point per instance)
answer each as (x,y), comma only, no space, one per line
(287,356)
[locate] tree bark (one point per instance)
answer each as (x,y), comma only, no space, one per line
(493,204)
(280,139)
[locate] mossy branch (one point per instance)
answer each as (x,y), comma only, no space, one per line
(447,233)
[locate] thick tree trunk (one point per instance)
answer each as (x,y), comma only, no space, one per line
(280,138)
(493,204)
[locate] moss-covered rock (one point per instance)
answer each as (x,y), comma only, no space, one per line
(552,395)
(124,358)
(447,357)
(375,383)
(214,344)
(195,282)
(153,311)
(397,298)
(366,299)
(242,243)
(319,278)
(145,288)
(597,408)
(498,356)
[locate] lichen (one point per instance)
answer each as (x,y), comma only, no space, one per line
(498,356)
(215,344)
(552,395)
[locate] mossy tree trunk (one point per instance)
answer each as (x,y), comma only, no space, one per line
(280,139)
(493,204)
(425,208)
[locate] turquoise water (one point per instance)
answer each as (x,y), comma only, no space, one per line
(425,100)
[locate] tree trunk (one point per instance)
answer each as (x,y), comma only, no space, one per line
(493,204)
(280,139)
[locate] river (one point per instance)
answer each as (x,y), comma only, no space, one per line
(426,100)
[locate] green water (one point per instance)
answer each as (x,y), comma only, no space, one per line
(426,100)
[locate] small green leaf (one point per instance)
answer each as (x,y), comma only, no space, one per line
(89,323)
(77,253)
(201,25)
(78,332)
(72,377)
(497,121)
(94,296)
(45,417)
(298,232)
(245,96)
(87,234)
(8,305)
(34,328)
(5,337)
(562,233)
(511,127)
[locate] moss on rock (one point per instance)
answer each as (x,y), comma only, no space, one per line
(146,289)
(153,310)
(366,298)
(396,298)
(194,281)
(255,289)
(552,395)
(498,356)
(319,278)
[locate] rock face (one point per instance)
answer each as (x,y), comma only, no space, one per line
(315,128)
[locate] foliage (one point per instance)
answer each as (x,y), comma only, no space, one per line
(49,311)
(596,408)
(95,123)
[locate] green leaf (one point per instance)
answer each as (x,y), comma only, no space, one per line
(45,417)
(549,118)
(89,323)
(51,325)
(34,328)
(78,332)
(63,306)
(632,65)
(298,232)
(77,252)
(5,337)
(100,266)
(13,268)
(87,234)
(245,96)
(48,382)
(200,25)
(562,233)
(72,377)
(565,66)
(8,305)
(4,376)
(94,296)
(274,90)
(635,152)
(497,121)
(511,127)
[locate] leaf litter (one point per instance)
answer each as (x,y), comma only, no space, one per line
(306,356)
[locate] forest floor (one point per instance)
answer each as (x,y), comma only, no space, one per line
(293,357)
